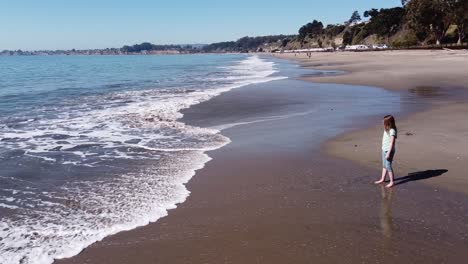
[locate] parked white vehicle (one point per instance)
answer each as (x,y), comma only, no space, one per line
(380,46)
(356,47)
(309,50)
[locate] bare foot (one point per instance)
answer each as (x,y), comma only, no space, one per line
(390,185)
(378,182)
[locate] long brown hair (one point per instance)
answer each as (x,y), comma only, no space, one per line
(389,122)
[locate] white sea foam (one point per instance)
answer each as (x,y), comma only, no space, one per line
(9,207)
(260,120)
(132,125)
(112,125)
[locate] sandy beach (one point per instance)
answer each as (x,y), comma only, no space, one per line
(396,70)
(295,184)
(434,139)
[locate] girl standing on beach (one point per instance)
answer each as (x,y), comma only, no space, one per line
(388,149)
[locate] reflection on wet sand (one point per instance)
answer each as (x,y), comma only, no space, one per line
(426,91)
(386,214)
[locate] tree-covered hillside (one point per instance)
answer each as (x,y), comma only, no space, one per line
(415,22)
(246,44)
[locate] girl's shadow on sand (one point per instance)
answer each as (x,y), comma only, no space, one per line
(420,175)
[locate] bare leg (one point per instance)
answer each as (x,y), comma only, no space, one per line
(382,179)
(390,175)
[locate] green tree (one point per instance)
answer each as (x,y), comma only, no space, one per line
(385,22)
(433,16)
(320,43)
(145,46)
(460,18)
(315,28)
(355,17)
(333,30)
(347,37)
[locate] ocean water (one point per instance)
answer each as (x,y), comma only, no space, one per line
(92,145)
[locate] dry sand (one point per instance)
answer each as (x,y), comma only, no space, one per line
(399,70)
(435,139)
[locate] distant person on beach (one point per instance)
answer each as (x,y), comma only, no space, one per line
(388,149)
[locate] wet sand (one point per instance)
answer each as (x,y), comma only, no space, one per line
(434,139)
(274,196)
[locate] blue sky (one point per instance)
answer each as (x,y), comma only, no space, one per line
(81,24)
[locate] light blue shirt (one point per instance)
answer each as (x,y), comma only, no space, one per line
(386,139)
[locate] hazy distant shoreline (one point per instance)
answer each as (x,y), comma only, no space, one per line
(95,53)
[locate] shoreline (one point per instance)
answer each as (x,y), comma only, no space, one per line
(443,88)
(265,198)
(393,70)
